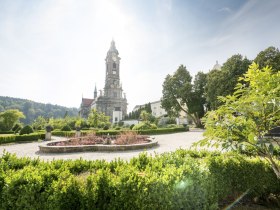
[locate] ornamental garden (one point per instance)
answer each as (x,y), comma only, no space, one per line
(244,170)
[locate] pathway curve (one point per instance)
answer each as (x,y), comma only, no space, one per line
(167,143)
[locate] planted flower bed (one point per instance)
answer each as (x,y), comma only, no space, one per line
(125,141)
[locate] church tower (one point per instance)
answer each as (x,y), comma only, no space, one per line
(112,87)
(112,101)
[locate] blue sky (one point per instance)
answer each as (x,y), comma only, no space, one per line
(53,51)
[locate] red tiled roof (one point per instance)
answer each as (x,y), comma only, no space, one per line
(87,101)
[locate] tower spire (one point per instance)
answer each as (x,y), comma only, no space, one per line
(95,92)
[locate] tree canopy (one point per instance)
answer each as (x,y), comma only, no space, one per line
(247,116)
(179,94)
(9,118)
(33,110)
(269,57)
(222,82)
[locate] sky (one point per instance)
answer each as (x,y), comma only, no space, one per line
(53,51)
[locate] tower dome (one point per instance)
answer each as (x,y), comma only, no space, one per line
(217,66)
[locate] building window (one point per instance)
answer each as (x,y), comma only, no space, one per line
(115,95)
(116,119)
(114,65)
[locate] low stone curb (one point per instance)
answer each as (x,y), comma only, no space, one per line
(97,147)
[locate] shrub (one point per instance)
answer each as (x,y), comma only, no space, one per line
(171,126)
(66,128)
(63,133)
(182,179)
(6,132)
(26,130)
(131,126)
(144,126)
(17,127)
(164,121)
(29,137)
(7,139)
(235,174)
(106,132)
(162,131)
(24,137)
(120,123)
(106,127)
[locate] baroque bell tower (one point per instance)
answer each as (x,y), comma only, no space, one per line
(113,101)
(113,88)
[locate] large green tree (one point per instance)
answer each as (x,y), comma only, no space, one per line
(9,118)
(222,82)
(179,94)
(247,116)
(269,57)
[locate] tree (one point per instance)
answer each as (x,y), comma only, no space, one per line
(39,123)
(97,119)
(199,100)
(269,57)
(247,116)
(146,116)
(214,88)
(222,82)
(9,118)
(136,114)
(179,95)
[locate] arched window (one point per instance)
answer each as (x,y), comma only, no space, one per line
(114,65)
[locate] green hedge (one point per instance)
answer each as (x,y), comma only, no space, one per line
(118,132)
(7,132)
(63,133)
(30,137)
(20,138)
(7,139)
(163,131)
(178,180)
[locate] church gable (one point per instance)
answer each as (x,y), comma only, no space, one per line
(86,102)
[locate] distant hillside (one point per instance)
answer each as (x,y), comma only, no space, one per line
(33,109)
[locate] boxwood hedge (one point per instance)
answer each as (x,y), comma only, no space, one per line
(20,138)
(117,132)
(182,179)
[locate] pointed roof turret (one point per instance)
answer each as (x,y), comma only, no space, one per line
(95,92)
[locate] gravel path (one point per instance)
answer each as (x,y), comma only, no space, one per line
(167,143)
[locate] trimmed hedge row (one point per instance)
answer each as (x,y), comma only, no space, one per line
(182,179)
(7,132)
(163,131)
(118,132)
(20,138)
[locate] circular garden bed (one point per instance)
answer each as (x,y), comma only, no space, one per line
(127,141)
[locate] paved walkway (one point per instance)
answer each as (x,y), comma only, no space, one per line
(167,143)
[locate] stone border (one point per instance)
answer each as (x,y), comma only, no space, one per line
(97,147)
